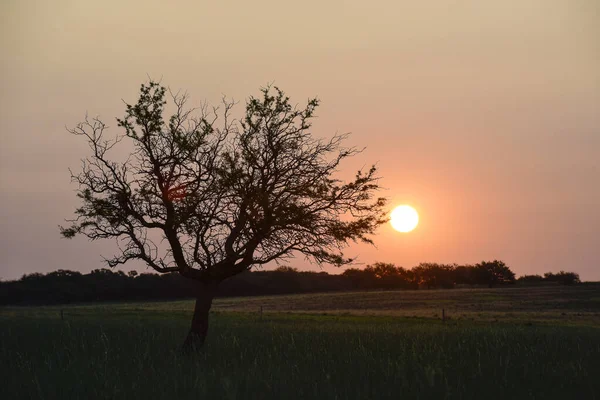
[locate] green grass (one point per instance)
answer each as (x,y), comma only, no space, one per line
(130,351)
(542,305)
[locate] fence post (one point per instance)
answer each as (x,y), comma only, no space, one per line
(443,315)
(261,313)
(62,317)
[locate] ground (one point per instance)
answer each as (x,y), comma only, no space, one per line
(531,343)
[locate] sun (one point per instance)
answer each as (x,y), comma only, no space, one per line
(404,218)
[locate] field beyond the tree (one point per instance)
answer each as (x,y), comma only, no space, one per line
(516,342)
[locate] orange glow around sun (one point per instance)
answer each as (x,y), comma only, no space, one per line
(404,218)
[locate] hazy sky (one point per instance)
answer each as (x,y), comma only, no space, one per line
(483,115)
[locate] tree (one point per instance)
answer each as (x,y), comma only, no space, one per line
(387,275)
(530,279)
(433,275)
(464,274)
(493,273)
(225,195)
(562,277)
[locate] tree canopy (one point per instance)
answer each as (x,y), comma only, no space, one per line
(225,194)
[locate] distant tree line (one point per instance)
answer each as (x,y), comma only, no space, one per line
(431,275)
(64,286)
(562,277)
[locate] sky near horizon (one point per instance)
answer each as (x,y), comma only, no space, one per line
(482,115)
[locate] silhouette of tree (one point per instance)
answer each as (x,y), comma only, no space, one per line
(224,198)
(562,277)
(388,276)
(530,279)
(432,275)
(464,275)
(360,278)
(493,273)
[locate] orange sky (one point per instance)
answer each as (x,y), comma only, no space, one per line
(483,115)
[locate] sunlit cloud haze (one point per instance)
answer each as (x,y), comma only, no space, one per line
(483,115)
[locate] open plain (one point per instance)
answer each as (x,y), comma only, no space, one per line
(518,342)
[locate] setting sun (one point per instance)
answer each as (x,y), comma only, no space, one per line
(404,218)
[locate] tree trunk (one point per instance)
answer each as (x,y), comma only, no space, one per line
(199,329)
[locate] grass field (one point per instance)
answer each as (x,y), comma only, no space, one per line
(534,343)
